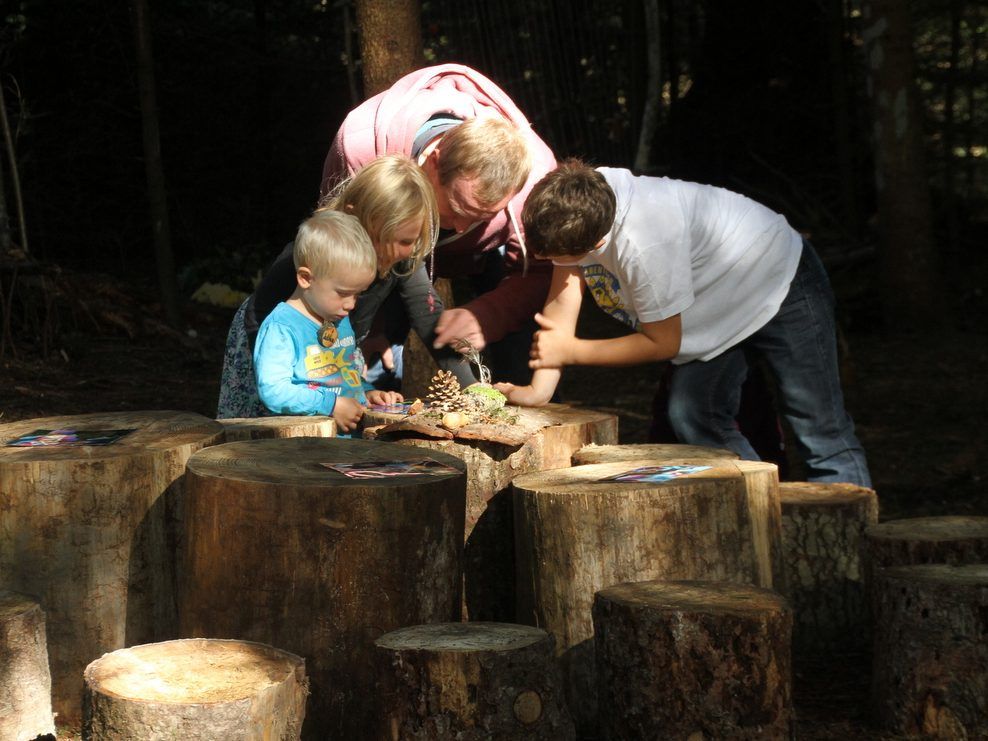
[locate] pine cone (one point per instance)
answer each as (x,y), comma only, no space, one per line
(444,392)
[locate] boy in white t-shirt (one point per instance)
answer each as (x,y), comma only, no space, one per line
(704,276)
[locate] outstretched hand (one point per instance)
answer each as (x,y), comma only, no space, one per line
(551,346)
(459,324)
(523,396)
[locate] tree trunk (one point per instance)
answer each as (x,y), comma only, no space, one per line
(418,364)
(390,41)
(257,428)
(823,529)
(557,432)
(195,690)
(575,535)
(91,532)
(648,452)
(25,683)
(653,87)
(692,660)
(285,551)
(470,682)
(930,671)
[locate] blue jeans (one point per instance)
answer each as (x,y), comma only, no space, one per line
(799,345)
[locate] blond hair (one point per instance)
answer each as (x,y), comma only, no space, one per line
(331,243)
(385,194)
(490,149)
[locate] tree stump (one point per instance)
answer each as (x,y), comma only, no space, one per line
(471,682)
(259,428)
(692,660)
(823,529)
(91,531)
(930,671)
(950,539)
(551,435)
(195,690)
(590,454)
(284,551)
(25,683)
(576,535)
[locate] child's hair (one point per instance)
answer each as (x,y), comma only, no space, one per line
(490,149)
(329,243)
(568,211)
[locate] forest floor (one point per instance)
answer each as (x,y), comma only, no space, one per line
(918,402)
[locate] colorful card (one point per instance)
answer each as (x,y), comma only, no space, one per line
(67,438)
(388,469)
(655,474)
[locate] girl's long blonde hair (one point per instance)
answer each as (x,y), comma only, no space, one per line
(385,194)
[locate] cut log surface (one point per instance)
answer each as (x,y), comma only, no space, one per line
(195,690)
(257,428)
(471,682)
(930,672)
(282,550)
(576,535)
(823,528)
(25,683)
(90,531)
(692,660)
(590,454)
(949,539)
(544,438)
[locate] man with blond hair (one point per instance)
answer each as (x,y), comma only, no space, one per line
(482,157)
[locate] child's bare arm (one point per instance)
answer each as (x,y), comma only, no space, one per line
(554,347)
(347,413)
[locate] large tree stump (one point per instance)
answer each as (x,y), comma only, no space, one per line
(471,682)
(25,682)
(285,551)
(552,434)
(258,428)
(195,690)
(823,529)
(91,532)
(950,539)
(930,671)
(692,660)
(576,535)
(590,454)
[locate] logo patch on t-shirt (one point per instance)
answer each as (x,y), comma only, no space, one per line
(604,287)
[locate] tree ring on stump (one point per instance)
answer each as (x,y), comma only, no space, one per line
(528,706)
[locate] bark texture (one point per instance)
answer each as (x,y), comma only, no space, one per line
(390,41)
(692,660)
(949,539)
(471,682)
(823,528)
(287,552)
(930,672)
(555,432)
(195,690)
(590,454)
(259,428)
(25,682)
(576,535)
(91,531)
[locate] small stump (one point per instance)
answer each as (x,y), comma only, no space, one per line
(950,539)
(930,672)
(25,684)
(195,690)
(692,660)
(258,428)
(823,529)
(471,682)
(589,454)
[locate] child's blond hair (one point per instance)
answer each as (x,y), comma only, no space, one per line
(331,244)
(385,194)
(490,149)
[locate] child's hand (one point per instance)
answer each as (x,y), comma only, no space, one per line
(384,397)
(523,396)
(347,413)
(551,347)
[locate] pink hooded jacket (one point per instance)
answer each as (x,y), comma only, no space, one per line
(387,124)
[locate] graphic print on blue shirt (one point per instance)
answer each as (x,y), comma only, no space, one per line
(331,367)
(604,287)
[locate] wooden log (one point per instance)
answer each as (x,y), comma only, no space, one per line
(285,551)
(949,539)
(91,531)
(692,660)
(823,528)
(195,690)
(470,682)
(590,454)
(258,428)
(552,434)
(25,682)
(930,671)
(576,534)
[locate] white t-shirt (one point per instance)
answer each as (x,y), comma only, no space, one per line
(718,258)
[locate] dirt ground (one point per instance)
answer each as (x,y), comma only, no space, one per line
(917,401)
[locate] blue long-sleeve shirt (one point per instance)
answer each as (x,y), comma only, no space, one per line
(297,375)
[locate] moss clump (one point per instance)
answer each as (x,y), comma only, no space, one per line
(488,398)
